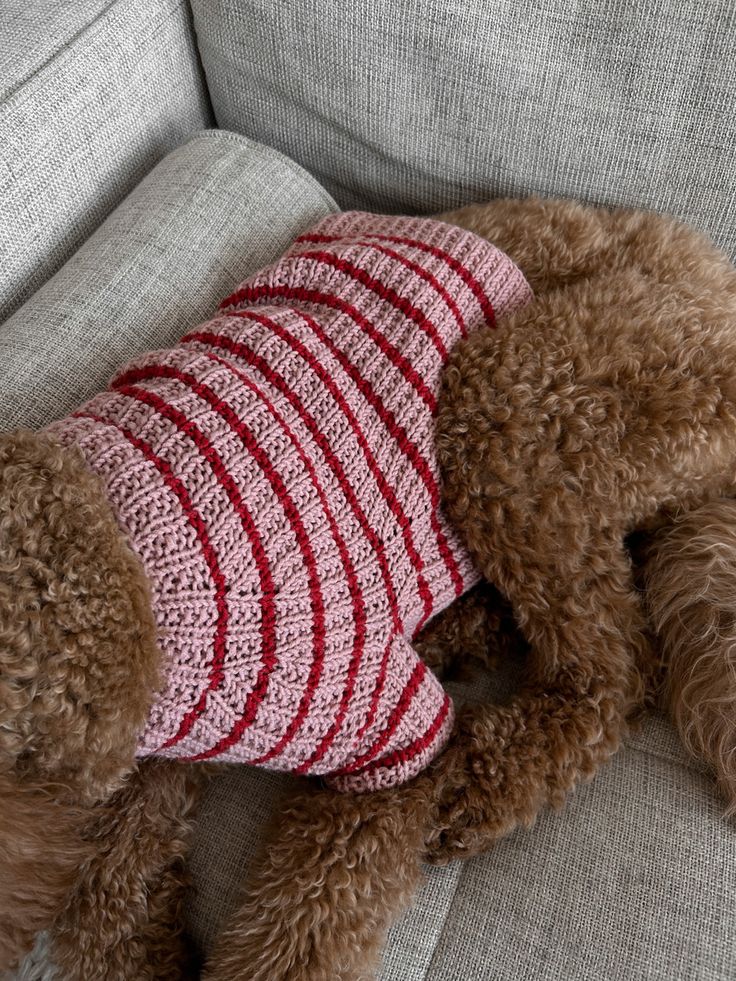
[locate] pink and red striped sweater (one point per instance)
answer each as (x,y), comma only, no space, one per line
(274,472)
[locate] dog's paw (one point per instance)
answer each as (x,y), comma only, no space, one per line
(505,763)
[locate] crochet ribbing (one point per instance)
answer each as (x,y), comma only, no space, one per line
(274,472)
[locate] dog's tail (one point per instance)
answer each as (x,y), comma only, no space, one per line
(42,853)
(690,581)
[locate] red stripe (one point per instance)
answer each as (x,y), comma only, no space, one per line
(273,377)
(356,595)
(405,444)
(409,264)
(274,478)
(384,292)
(198,524)
(268,615)
(398,433)
(427,276)
(387,492)
(254,294)
(462,271)
(399,756)
(398,713)
(376,695)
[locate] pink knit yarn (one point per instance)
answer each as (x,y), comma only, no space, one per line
(274,472)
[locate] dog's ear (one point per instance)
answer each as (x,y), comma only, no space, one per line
(42,854)
(28,468)
(41,849)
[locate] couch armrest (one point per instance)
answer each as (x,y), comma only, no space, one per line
(92,95)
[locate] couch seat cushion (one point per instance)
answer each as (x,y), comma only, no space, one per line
(207,216)
(636,878)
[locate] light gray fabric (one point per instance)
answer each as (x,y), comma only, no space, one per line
(633,880)
(209,214)
(230,823)
(95,93)
(31,33)
(420,105)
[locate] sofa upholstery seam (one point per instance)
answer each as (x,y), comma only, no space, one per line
(443,931)
(268,151)
(691,764)
(66,49)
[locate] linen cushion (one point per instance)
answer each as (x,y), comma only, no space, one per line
(92,95)
(421,105)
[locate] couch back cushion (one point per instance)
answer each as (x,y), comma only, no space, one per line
(421,105)
(92,95)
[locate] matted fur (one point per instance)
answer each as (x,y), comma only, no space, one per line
(691,596)
(605,405)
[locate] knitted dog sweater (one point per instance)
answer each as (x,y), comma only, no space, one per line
(274,473)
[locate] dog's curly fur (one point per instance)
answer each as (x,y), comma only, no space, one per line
(136,874)
(78,667)
(690,578)
(606,406)
(608,401)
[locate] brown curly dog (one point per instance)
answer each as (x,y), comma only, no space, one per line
(606,406)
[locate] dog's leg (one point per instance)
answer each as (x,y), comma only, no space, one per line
(338,872)
(125,920)
(505,762)
(479,627)
(41,852)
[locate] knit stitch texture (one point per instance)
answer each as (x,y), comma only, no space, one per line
(274,472)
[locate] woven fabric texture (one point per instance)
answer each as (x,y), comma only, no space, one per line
(93,95)
(420,105)
(209,214)
(31,34)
